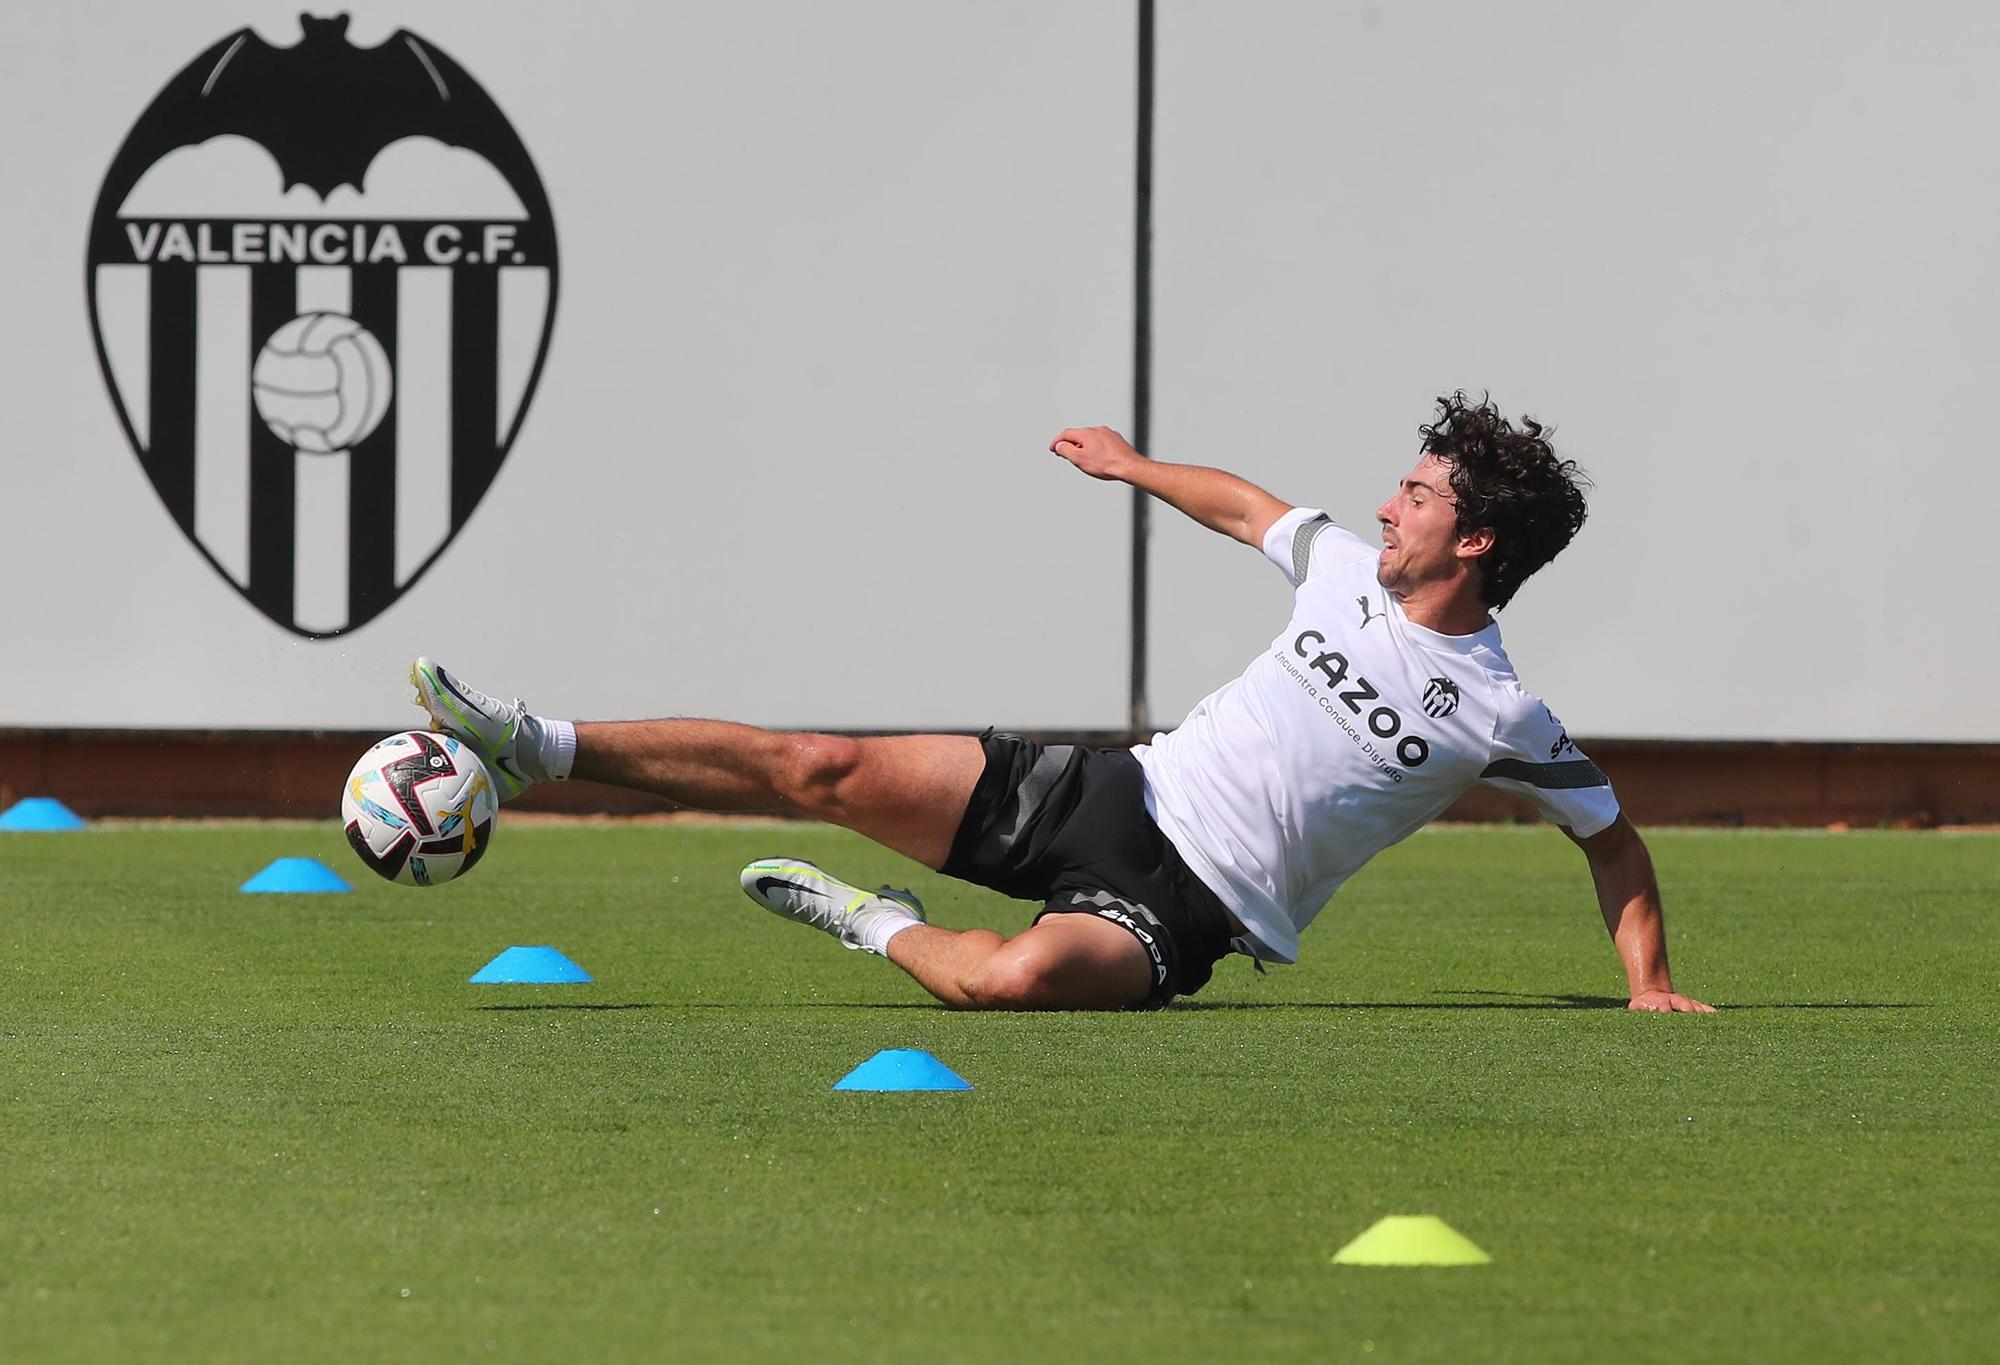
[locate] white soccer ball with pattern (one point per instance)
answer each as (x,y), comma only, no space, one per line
(322,383)
(419,808)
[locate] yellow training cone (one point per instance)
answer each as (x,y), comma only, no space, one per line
(1411,1239)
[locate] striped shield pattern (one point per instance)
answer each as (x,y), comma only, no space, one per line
(322,280)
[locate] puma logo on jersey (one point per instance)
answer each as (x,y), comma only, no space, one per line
(1367,613)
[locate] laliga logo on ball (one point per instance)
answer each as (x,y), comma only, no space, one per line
(419,808)
(322,383)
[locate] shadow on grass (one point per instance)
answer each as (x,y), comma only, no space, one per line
(1529,1000)
(732,1005)
(1515,1000)
(931,1005)
(1584,1002)
(1548,1002)
(642,1005)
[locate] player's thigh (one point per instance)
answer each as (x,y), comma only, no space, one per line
(1068,962)
(909,792)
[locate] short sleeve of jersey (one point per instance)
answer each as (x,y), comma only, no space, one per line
(1305,541)
(1534,757)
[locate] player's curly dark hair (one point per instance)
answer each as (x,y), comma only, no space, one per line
(1507,479)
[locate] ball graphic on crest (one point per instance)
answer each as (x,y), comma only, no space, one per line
(322,383)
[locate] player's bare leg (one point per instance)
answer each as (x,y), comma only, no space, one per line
(1066,962)
(906,792)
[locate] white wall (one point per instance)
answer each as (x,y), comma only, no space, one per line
(832,275)
(831,278)
(1742,254)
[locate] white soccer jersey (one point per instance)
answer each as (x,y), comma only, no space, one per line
(1355,729)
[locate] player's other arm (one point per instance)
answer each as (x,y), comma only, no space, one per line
(1629,895)
(1217,499)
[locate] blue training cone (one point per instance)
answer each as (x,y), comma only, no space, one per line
(297,875)
(901,1068)
(529,967)
(40,813)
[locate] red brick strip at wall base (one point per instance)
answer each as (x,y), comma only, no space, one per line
(298,774)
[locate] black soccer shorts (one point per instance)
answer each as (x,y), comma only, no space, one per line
(1068,826)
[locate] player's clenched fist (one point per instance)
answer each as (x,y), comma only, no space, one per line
(1098,451)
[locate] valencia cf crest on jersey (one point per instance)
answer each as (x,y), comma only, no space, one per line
(322,280)
(1440,698)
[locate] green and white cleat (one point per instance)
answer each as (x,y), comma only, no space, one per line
(799,891)
(492,728)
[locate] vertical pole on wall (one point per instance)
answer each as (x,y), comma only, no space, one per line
(1142,356)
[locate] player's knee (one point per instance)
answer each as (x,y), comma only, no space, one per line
(1010,983)
(1045,974)
(814,768)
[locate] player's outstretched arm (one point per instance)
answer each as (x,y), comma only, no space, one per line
(1629,895)
(1217,499)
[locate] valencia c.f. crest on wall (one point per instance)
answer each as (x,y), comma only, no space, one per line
(322,280)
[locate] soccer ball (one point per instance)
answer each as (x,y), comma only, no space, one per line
(322,382)
(419,808)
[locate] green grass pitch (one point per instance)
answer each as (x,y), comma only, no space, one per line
(239,1127)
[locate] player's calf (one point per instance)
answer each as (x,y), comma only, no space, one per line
(1065,962)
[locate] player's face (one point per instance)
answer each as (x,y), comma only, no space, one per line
(1419,529)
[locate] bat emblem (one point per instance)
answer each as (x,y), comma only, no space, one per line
(322,280)
(1441,698)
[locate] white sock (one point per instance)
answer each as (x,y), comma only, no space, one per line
(883,927)
(550,748)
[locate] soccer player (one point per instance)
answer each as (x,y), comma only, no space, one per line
(1384,697)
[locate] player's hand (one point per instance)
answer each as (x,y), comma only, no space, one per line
(1668,1002)
(1098,451)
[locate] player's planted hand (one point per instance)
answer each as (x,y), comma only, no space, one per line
(1098,451)
(1668,1002)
